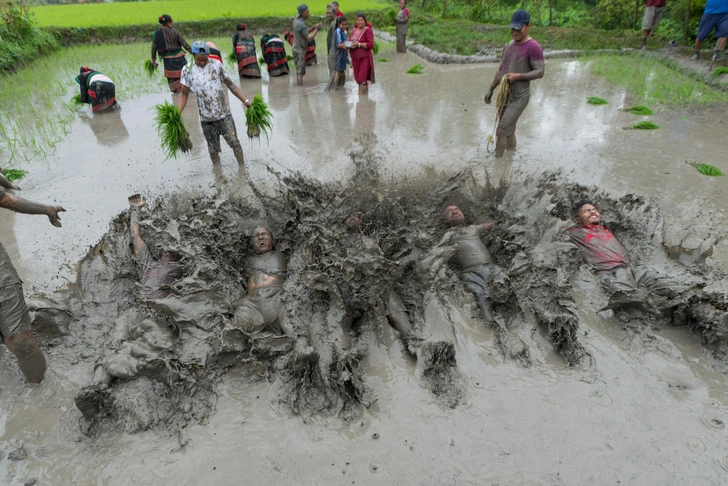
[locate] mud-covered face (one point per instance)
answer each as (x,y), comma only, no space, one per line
(329,14)
(588,214)
(201,60)
(170,256)
(263,240)
(454,216)
(353,222)
(519,35)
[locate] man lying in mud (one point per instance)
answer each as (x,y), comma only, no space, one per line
(364,252)
(144,339)
(605,255)
(15,330)
(261,314)
(487,281)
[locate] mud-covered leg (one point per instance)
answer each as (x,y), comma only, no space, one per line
(30,357)
(562,325)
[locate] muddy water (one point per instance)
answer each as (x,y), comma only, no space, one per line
(652,411)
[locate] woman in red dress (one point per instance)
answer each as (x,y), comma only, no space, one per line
(362,59)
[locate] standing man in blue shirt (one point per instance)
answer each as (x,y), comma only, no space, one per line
(715,16)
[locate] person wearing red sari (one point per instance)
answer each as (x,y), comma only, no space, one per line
(362,59)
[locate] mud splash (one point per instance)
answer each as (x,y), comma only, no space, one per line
(172,352)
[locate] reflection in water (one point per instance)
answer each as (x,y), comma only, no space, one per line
(108,128)
(279,92)
(364,135)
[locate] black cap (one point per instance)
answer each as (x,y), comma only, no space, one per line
(519,19)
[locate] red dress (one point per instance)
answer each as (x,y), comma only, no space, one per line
(362,58)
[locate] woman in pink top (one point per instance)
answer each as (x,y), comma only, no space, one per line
(362,58)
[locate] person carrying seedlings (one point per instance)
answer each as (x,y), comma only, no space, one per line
(208,80)
(244,47)
(168,42)
(715,16)
(651,19)
(302,35)
(145,337)
(402,19)
(522,62)
(97,90)
(15,331)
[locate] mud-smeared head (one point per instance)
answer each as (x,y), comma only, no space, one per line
(454,216)
(171,256)
(586,213)
(354,223)
(263,239)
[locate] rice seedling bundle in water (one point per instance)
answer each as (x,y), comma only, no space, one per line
(382,60)
(17,174)
(171,129)
(258,118)
(416,69)
(645,125)
(595,100)
(149,67)
(640,110)
(232,58)
(719,71)
(708,170)
(76,99)
(375,48)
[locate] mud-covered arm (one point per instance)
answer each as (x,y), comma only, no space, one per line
(5,183)
(20,205)
(234,89)
(136,232)
(537,72)
(494,84)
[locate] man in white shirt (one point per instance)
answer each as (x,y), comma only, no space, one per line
(206,80)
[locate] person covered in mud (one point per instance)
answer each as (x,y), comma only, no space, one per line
(143,339)
(15,331)
(522,63)
(97,90)
(606,256)
(261,313)
(208,80)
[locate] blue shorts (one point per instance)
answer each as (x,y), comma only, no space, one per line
(708,22)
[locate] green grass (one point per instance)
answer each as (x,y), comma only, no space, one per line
(595,100)
(13,175)
(641,110)
(706,169)
(416,69)
(650,81)
(133,13)
(645,125)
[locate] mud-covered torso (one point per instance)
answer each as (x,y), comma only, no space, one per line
(266,270)
(156,276)
(208,83)
(521,58)
(471,250)
(602,251)
(8,274)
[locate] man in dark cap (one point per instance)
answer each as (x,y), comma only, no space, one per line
(302,34)
(522,62)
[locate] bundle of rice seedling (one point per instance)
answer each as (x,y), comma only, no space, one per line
(375,48)
(258,117)
(171,130)
(76,99)
(705,169)
(261,60)
(382,60)
(645,125)
(640,110)
(594,100)
(416,69)
(719,71)
(232,58)
(289,57)
(149,67)
(16,174)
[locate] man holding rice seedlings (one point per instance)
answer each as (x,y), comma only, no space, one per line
(522,62)
(15,331)
(208,80)
(302,35)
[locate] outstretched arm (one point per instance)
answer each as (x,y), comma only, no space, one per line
(236,91)
(494,84)
(20,205)
(136,202)
(4,182)
(183,98)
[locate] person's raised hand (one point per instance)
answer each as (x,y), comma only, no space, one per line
(53,215)
(137,201)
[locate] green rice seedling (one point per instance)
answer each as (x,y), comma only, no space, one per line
(261,60)
(706,169)
(232,58)
(640,110)
(258,118)
(416,69)
(645,125)
(289,57)
(719,71)
(149,68)
(171,129)
(17,174)
(382,60)
(76,99)
(375,48)
(595,100)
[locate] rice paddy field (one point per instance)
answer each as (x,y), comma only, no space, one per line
(134,13)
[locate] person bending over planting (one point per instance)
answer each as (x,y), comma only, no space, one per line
(206,80)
